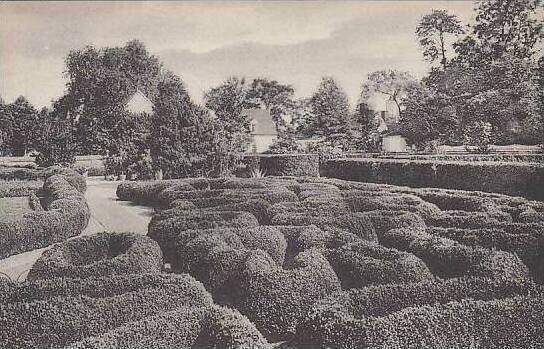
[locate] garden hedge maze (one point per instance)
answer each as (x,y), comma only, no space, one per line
(292,262)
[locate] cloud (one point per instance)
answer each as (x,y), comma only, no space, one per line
(204,42)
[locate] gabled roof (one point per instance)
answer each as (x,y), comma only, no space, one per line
(139,103)
(262,122)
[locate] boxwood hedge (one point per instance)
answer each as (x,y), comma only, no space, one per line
(186,327)
(342,319)
(59,321)
(99,254)
(102,286)
(19,188)
(362,264)
(520,179)
(65,215)
(447,258)
(275,299)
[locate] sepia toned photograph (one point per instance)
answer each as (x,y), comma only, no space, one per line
(272,174)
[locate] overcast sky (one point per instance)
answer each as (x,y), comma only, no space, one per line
(205,42)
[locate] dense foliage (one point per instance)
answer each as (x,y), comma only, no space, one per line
(328,263)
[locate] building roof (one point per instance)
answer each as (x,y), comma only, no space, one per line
(261,121)
(139,103)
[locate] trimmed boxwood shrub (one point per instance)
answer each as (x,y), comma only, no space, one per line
(467,220)
(266,238)
(186,327)
(290,164)
(258,207)
(355,223)
(102,286)
(511,323)
(17,188)
(226,328)
(384,220)
(518,179)
(216,197)
(362,263)
(179,328)
(214,257)
(100,254)
(361,202)
(447,258)
(275,299)
(524,239)
(146,192)
(165,227)
(66,214)
(59,321)
(339,320)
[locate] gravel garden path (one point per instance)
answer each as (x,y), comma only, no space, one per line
(107,214)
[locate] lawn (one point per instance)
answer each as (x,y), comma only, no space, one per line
(11,208)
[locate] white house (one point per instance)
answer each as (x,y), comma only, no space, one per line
(389,116)
(138,103)
(263,129)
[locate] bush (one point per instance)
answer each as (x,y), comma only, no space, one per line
(100,254)
(363,202)
(145,192)
(290,165)
(384,220)
(362,264)
(343,319)
(59,321)
(179,328)
(185,327)
(258,207)
(447,258)
(226,328)
(66,215)
(355,223)
(217,197)
(509,323)
(466,220)
(276,299)
(525,240)
(103,286)
(518,179)
(9,189)
(165,227)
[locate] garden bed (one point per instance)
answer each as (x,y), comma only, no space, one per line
(277,248)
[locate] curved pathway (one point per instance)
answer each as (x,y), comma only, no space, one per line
(107,214)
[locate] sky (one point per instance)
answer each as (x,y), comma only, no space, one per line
(294,42)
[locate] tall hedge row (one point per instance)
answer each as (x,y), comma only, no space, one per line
(519,179)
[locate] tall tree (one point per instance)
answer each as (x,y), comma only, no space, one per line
(181,132)
(22,116)
(502,26)
(433,32)
(54,140)
(391,83)
(227,101)
(329,108)
(273,96)
(99,83)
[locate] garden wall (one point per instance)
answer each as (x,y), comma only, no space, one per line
(518,179)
